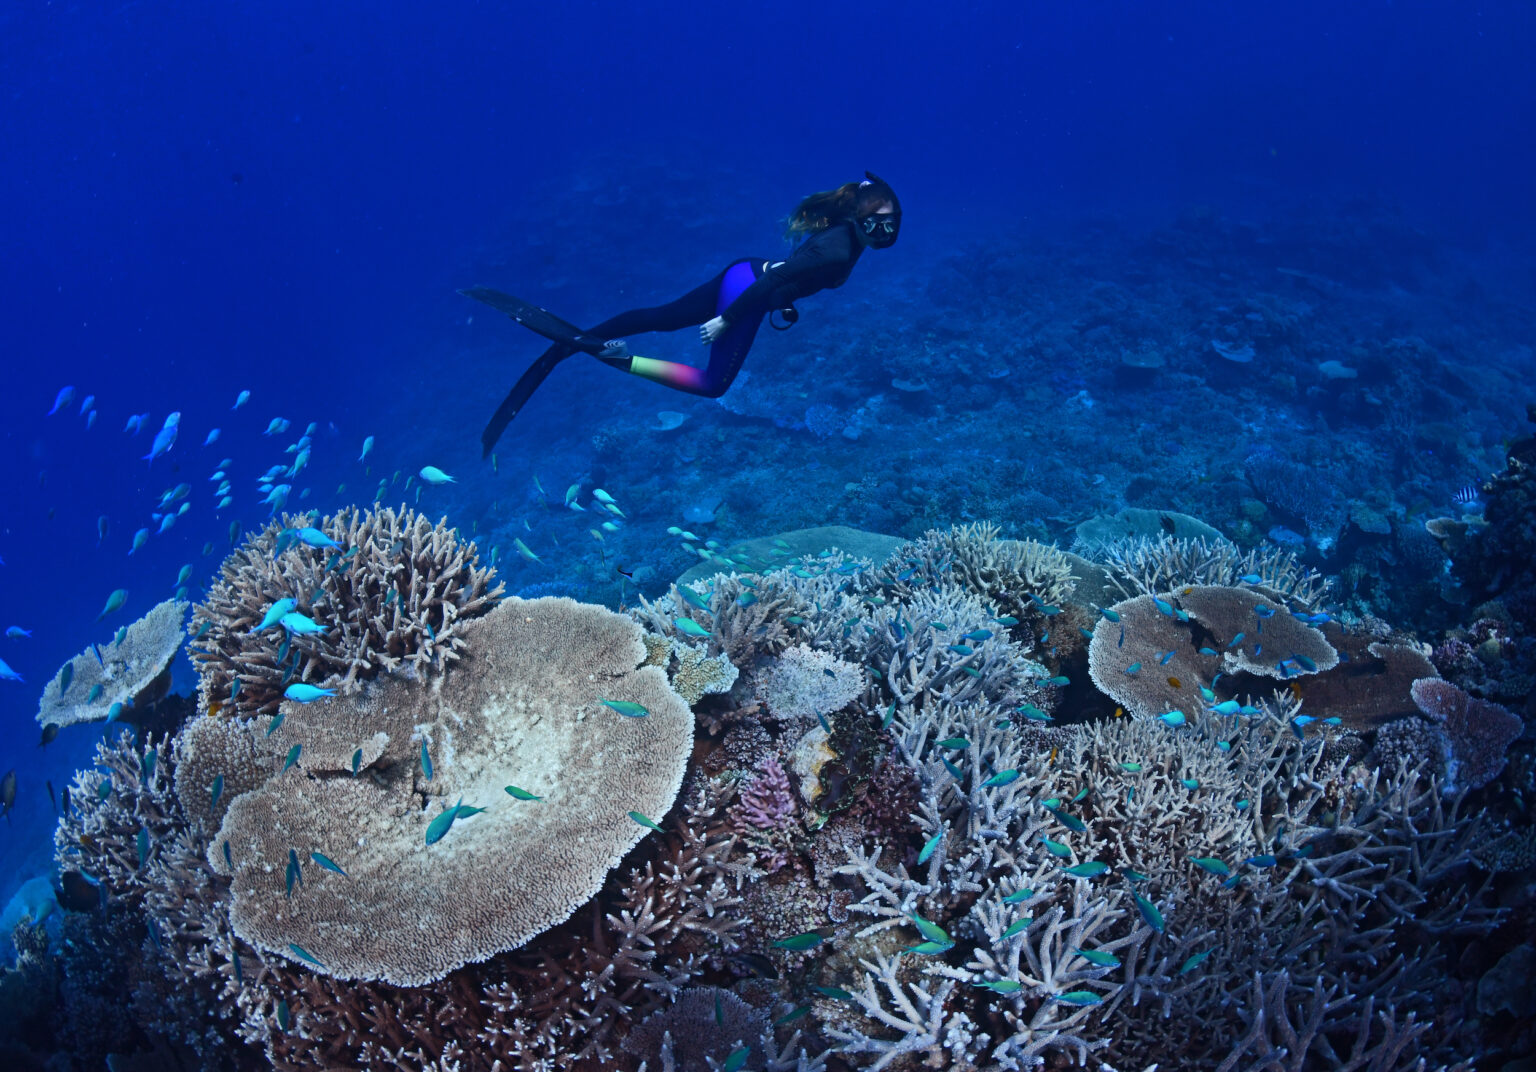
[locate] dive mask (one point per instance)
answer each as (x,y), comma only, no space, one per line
(879,229)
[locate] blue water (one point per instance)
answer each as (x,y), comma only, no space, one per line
(204,198)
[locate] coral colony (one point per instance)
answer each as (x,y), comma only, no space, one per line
(832,801)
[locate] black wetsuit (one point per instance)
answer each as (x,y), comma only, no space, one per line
(824,260)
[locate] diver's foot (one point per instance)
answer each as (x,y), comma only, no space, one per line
(617,349)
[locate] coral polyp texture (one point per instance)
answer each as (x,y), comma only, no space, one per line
(133,667)
(386,589)
(414,888)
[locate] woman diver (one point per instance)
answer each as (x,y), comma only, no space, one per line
(837,226)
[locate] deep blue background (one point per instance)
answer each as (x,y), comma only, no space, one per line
(204,197)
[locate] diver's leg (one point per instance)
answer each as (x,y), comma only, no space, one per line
(726,353)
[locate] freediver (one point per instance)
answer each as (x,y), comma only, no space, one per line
(836,227)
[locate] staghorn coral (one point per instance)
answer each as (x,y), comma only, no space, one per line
(917,646)
(122,814)
(133,671)
(398,592)
(1368,865)
(1002,573)
(1477,731)
(522,706)
(1151,565)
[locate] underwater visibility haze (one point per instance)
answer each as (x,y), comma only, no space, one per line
(793,539)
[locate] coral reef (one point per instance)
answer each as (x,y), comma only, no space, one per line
(952,866)
(395,590)
(133,670)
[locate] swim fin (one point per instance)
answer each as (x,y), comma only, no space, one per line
(540,321)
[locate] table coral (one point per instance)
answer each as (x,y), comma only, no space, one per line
(523,706)
(133,670)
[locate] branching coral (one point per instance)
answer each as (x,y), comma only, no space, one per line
(1151,565)
(1003,573)
(1310,853)
(396,590)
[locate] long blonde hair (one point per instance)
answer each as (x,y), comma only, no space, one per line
(848,201)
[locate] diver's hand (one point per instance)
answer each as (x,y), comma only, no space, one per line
(711,330)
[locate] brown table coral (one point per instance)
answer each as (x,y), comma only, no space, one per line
(524,706)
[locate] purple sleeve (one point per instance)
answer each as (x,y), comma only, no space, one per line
(805,271)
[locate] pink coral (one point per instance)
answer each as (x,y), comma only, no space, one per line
(767,800)
(763,813)
(1479,730)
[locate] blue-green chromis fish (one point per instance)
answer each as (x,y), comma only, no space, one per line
(928,849)
(327,863)
(649,824)
(1086,870)
(799,943)
(438,827)
(426,762)
(520,794)
(1079,997)
(304,954)
(627,708)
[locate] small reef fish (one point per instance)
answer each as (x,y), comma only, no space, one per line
(799,943)
(522,549)
(165,439)
(1211,864)
(8,793)
(16,632)
(213,437)
(437,829)
(293,757)
(1086,870)
(1079,997)
(276,612)
(65,396)
(115,602)
(1098,958)
(1001,986)
(326,862)
(300,625)
(241,399)
(1149,912)
(294,874)
(627,708)
(689,627)
(928,848)
(50,731)
(87,404)
(135,423)
(431,474)
(276,426)
(367,449)
(1172,718)
(305,693)
(649,824)
(520,794)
